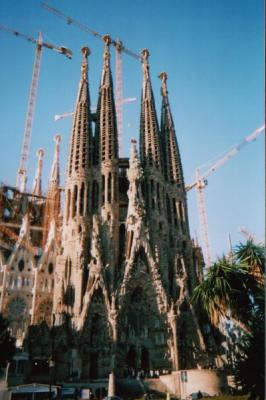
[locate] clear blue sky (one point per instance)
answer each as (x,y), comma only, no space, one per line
(212,51)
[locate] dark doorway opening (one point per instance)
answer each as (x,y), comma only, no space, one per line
(144,359)
(131,357)
(93,365)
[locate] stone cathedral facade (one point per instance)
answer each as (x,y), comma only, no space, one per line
(117,268)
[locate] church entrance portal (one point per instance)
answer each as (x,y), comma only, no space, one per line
(142,362)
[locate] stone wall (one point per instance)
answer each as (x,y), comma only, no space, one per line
(184,383)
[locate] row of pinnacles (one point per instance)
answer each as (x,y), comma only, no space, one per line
(120,266)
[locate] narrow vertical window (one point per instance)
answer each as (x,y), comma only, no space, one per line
(109,187)
(74,201)
(103,189)
(94,195)
(81,199)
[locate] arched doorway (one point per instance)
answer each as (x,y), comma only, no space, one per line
(95,341)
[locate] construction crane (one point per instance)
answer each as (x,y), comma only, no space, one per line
(247,234)
(22,170)
(14,237)
(119,48)
(57,117)
(201,182)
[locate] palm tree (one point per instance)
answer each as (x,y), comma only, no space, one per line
(226,292)
(236,290)
(253,255)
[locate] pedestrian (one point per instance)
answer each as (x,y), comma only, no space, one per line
(199,395)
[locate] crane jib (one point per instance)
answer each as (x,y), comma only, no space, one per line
(22,170)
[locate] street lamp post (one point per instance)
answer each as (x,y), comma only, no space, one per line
(51,366)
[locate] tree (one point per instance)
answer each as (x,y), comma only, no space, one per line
(225,293)
(250,365)
(7,342)
(253,256)
(236,291)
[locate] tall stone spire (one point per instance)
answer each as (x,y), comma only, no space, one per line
(176,202)
(55,170)
(150,156)
(37,183)
(173,171)
(149,130)
(80,150)
(106,141)
(107,126)
(52,204)
(72,263)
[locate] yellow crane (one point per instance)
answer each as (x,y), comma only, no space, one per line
(22,170)
(201,182)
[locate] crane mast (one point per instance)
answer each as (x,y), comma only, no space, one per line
(119,93)
(22,170)
(200,184)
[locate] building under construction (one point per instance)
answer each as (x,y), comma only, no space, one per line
(103,283)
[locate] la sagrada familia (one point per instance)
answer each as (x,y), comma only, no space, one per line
(110,288)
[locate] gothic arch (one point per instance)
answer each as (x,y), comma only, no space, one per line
(44,311)
(96,338)
(17,311)
(144,263)
(142,321)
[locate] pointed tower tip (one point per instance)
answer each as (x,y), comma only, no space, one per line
(107,39)
(37,183)
(145,56)
(85,51)
(145,62)
(163,76)
(54,175)
(40,154)
(106,55)
(133,149)
(57,138)
(84,66)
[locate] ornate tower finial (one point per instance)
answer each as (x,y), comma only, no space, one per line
(163,76)
(106,54)
(149,130)
(37,183)
(145,55)
(52,204)
(107,39)
(55,176)
(172,161)
(106,129)
(85,51)
(145,62)
(80,151)
(106,60)
(84,66)
(133,149)
(134,173)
